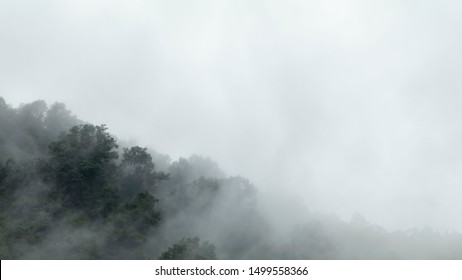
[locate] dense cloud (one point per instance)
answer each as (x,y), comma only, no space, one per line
(339,106)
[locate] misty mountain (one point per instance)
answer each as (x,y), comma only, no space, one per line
(70,189)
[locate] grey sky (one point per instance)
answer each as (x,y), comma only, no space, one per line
(346,105)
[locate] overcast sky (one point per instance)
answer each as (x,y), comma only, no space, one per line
(347,105)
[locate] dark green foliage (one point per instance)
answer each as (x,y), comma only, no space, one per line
(190,249)
(4,250)
(133,221)
(138,158)
(142,212)
(22,229)
(140,215)
(30,234)
(108,201)
(81,163)
(138,173)
(13,176)
(75,183)
(5,178)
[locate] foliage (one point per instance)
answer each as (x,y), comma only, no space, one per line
(80,166)
(190,249)
(67,191)
(133,221)
(138,172)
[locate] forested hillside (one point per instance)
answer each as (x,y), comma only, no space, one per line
(71,190)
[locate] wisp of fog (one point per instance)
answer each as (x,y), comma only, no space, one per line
(343,113)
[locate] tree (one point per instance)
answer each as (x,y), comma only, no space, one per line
(138,172)
(133,221)
(58,119)
(81,166)
(142,213)
(5,181)
(190,249)
(31,117)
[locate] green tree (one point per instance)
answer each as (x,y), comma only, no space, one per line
(82,166)
(13,177)
(133,221)
(138,173)
(190,249)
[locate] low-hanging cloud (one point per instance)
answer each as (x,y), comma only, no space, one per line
(348,105)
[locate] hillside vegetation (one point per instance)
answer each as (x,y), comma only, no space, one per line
(70,190)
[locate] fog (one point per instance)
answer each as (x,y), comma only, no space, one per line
(330,106)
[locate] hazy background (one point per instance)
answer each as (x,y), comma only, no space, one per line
(343,106)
